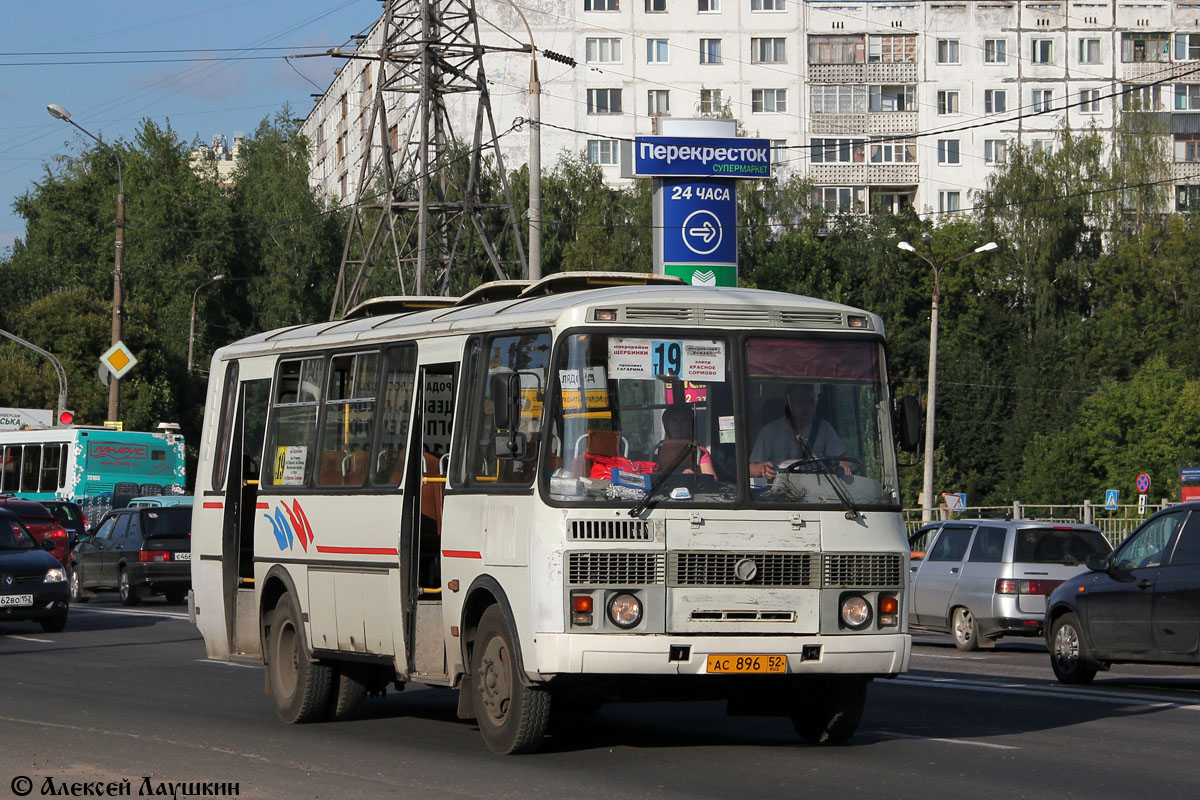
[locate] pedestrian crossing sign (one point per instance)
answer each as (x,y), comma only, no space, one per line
(118,359)
(1110,500)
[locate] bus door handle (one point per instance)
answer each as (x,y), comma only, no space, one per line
(954,570)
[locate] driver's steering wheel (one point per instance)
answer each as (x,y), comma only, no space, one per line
(832,463)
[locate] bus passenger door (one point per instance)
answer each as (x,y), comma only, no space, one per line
(421,532)
(241,498)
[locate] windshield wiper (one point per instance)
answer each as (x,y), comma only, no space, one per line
(644,503)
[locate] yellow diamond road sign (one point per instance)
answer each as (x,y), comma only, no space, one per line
(118,359)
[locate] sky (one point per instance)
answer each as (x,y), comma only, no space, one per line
(236,76)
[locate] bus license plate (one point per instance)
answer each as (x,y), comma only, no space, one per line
(16,599)
(747,664)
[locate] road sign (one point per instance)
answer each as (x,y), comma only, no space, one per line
(1189,475)
(1141,504)
(1110,499)
(955,501)
(1143,483)
(119,359)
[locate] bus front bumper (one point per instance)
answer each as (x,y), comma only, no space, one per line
(861,654)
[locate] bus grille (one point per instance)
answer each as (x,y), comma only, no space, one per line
(862,570)
(611,530)
(721,569)
(614,569)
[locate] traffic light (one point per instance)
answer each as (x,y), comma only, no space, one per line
(66,417)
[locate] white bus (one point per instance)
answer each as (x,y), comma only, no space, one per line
(481,493)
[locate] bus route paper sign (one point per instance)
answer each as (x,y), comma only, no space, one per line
(289,465)
(696,360)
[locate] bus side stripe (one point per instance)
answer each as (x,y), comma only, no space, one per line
(367,551)
(462,554)
(214,505)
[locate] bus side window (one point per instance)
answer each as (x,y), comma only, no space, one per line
(349,410)
(31,464)
(51,454)
(225,426)
(294,422)
(394,411)
(12,468)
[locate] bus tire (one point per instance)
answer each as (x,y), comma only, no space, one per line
(512,717)
(829,711)
(300,687)
(129,595)
(348,691)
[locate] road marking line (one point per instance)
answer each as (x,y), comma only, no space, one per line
(1064,692)
(954,658)
(31,639)
(167,614)
(228,663)
(893,735)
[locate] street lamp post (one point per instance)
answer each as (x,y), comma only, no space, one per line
(192,325)
(931,389)
(114,384)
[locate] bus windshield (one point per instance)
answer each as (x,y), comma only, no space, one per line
(644,416)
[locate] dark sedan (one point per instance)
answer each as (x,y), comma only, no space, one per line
(33,585)
(1139,603)
(137,551)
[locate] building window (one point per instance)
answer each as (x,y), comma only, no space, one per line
(1089,51)
(1042,99)
(341,145)
(767,5)
(604,101)
(710,51)
(892,49)
(893,98)
(1187,46)
(891,202)
(894,152)
(1187,147)
(708,6)
(1089,101)
(779,151)
(995,51)
(656,6)
(835,98)
(837,151)
(947,102)
(656,51)
(320,134)
(840,199)
(948,151)
(1187,198)
(345,106)
(658,102)
(767,50)
(947,51)
(768,101)
(1140,98)
(836,50)
(602,51)
(601,5)
(602,151)
(1187,97)
(995,101)
(342,185)
(948,202)
(995,151)
(1137,47)
(1042,146)
(1043,51)
(711,101)
(364,80)
(393,137)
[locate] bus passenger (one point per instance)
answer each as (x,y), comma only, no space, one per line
(679,423)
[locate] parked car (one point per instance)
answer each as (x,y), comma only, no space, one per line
(137,551)
(69,515)
(1138,603)
(33,583)
(980,579)
(160,501)
(42,524)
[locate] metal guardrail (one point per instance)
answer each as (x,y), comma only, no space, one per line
(1115,525)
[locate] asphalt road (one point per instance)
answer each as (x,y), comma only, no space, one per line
(127,695)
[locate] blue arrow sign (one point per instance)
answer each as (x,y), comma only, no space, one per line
(699,221)
(1110,499)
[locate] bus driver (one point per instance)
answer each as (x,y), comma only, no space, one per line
(778,441)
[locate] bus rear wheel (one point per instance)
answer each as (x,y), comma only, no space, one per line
(299,687)
(828,710)
(512,717)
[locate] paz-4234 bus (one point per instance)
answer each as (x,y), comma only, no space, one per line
(541,495)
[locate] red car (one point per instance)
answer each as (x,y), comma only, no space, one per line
(41,523)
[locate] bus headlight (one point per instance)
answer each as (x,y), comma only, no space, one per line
(625,610)
(856,612)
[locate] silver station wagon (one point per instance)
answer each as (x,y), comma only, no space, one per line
(981,579)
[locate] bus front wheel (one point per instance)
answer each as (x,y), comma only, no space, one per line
(512,716)
(300,687)
(828,710)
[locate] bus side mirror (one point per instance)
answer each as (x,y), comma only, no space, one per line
(511,444)
(910,423)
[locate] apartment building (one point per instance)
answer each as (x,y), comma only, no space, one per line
(879,103)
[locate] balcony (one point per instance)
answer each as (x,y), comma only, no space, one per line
(862,73)
(860,174)
(884,123)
